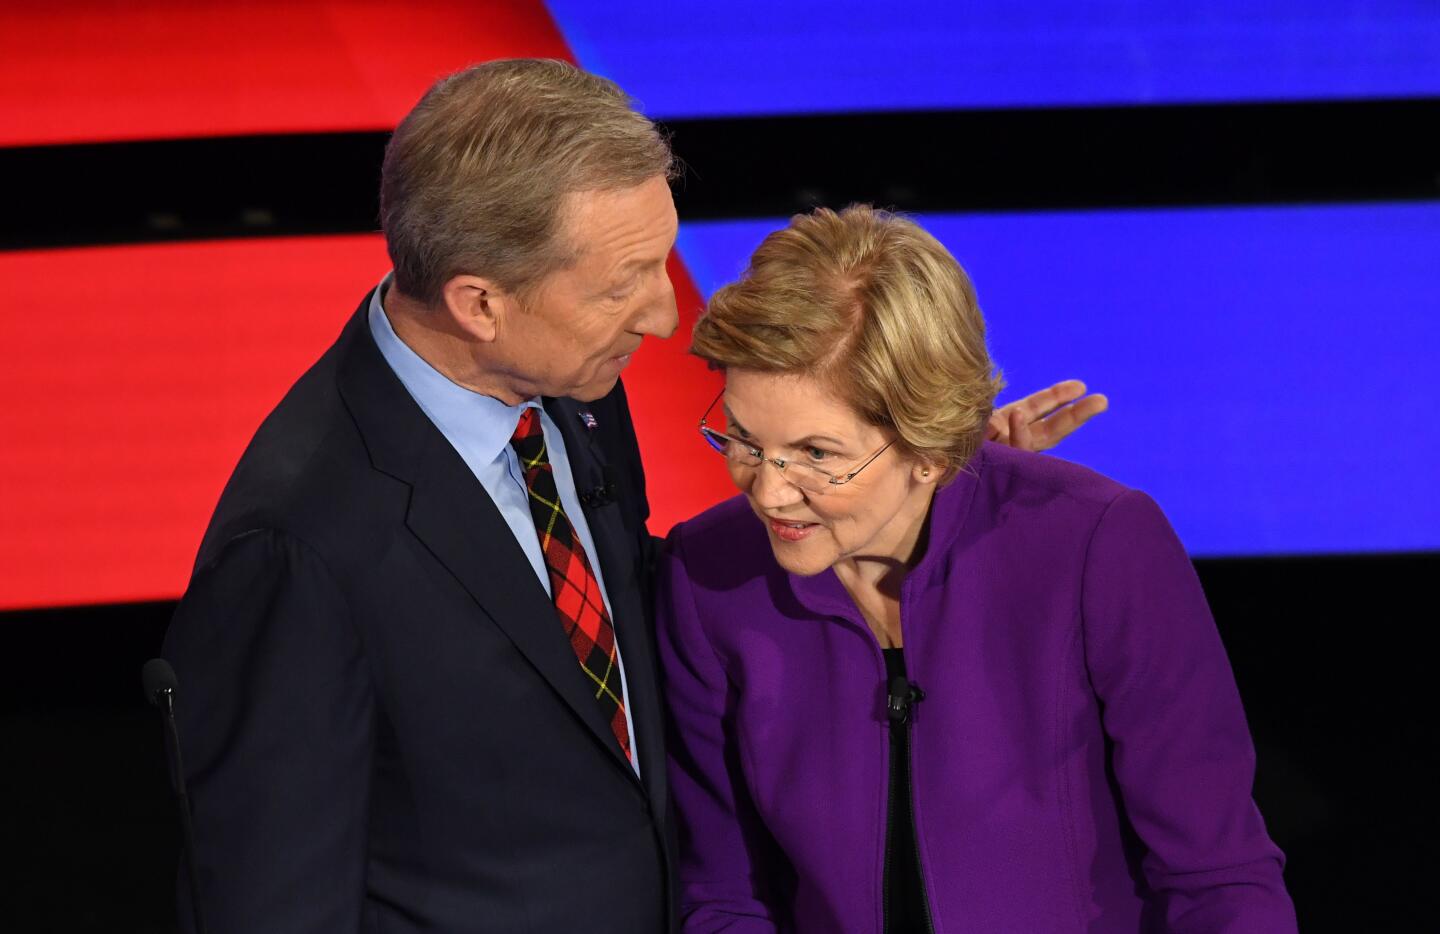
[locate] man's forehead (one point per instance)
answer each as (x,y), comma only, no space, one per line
(647,205)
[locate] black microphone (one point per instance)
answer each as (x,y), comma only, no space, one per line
(160,684)
(902,697)
(602,495)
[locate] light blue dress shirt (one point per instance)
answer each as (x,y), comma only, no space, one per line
(479,428)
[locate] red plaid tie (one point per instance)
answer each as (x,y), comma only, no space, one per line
(573,586)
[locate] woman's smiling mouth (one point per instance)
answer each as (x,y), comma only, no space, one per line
(791,531)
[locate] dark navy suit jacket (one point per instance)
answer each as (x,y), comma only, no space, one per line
(384,727)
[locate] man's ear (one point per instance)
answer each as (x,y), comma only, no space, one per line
(477,306)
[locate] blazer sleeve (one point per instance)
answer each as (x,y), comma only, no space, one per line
(274,709)
(724,848)
(1181,750)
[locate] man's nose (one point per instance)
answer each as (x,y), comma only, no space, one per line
(659,317)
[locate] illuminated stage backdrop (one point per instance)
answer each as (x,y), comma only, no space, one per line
(1259,359)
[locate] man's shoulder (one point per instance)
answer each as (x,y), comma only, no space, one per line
(302,464)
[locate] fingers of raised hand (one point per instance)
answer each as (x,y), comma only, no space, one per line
(1040,404)
(1059,424)
(1043,419)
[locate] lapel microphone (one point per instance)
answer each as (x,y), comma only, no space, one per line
(602,495)
(902,699)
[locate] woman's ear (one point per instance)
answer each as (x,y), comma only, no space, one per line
(926,472)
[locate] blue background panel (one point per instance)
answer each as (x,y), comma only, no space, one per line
(1267,367)
(683,58)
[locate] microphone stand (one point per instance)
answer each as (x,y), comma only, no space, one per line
(163,697)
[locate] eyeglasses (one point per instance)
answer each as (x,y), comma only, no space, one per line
(807,477)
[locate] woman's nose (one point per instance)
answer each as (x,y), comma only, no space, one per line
(770,489)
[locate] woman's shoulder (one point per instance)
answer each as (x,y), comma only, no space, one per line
(727,524)
(1024,476)
(726,536)
(1063,501)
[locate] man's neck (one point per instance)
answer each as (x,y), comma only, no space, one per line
(434,337)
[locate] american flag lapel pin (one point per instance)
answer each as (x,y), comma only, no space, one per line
(588,419)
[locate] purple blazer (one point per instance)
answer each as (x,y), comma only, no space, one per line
(1081,761)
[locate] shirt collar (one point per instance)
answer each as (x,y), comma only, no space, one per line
(469,419)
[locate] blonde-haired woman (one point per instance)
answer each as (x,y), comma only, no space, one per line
(921,682)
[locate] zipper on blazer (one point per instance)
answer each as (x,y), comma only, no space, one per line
(915,832)
(887,907)
(901,697)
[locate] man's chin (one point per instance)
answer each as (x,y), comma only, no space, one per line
(593,391)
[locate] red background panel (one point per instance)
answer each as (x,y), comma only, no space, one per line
(89,70)
(134,376)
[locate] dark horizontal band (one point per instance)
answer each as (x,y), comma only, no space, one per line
(1005,160)
(999,160)
(190,189)
(1289,612)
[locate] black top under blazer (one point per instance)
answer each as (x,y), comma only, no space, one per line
(384,726)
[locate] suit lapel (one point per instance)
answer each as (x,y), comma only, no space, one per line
(619,563)
(451,514)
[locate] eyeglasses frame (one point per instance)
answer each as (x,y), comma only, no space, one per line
(779,463)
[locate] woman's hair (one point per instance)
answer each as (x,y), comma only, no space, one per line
(475,177)
(876,308)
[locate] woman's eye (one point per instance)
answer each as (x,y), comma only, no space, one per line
(818,454)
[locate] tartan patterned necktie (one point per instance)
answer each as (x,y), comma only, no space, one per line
(573,586)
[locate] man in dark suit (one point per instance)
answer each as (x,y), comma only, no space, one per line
(419,682)
(419,685)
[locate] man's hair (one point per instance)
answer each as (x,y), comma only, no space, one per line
(475,177)
(876,308)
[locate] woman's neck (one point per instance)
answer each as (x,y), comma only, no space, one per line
(878,602)
(874,582)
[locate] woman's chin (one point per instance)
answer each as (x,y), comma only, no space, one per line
(801,561)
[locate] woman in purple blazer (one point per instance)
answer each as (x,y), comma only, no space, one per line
(921,682)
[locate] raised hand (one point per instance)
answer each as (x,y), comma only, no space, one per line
(1042,420)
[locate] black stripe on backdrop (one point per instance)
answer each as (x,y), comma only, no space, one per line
(756,167)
